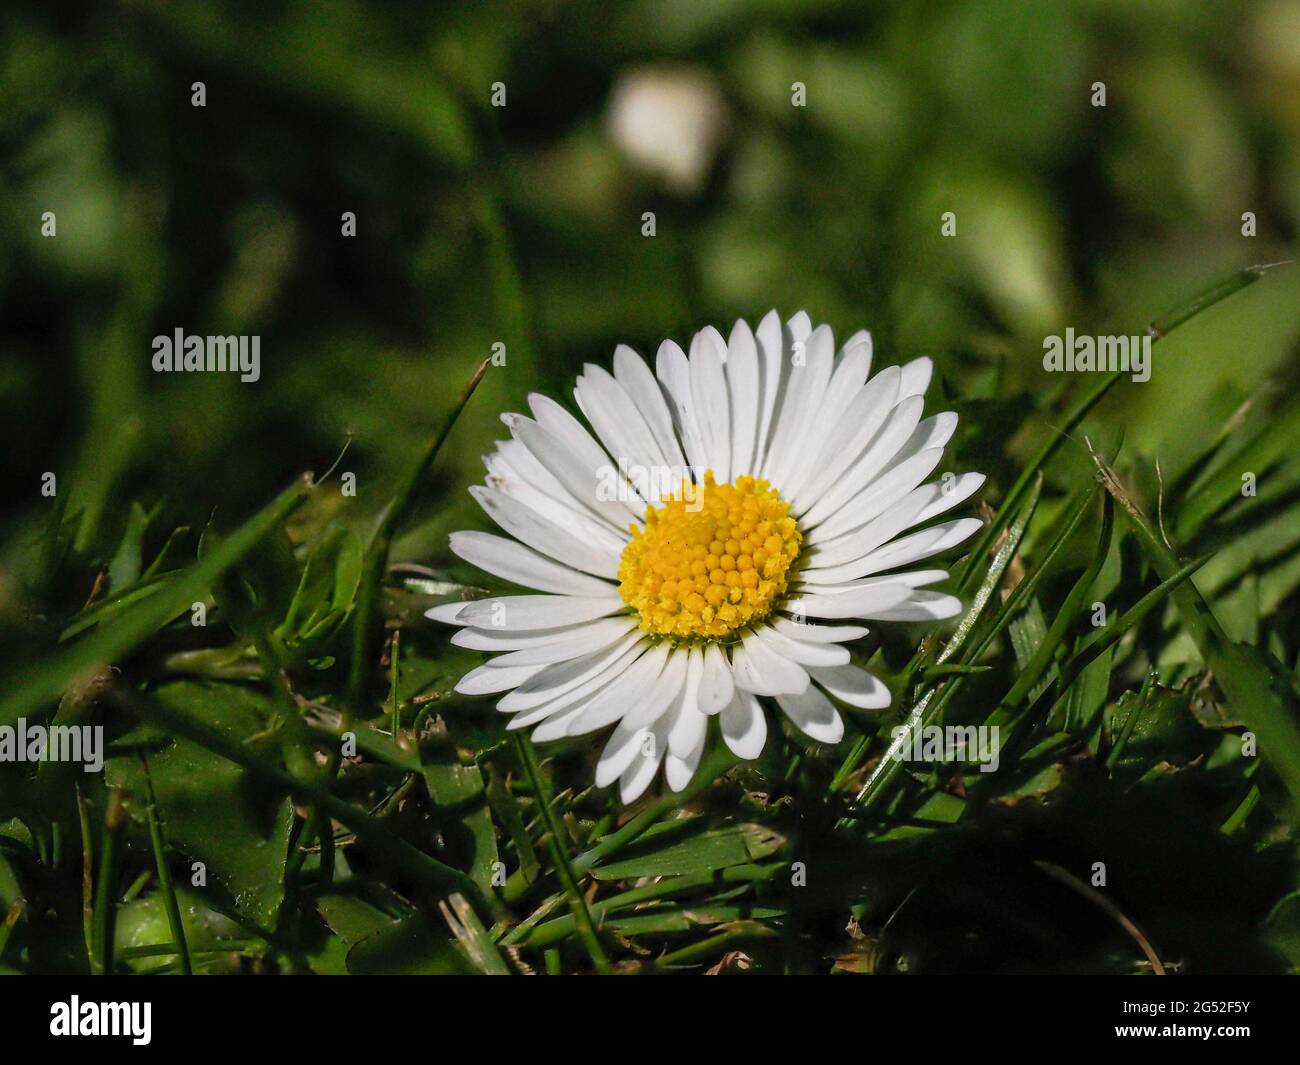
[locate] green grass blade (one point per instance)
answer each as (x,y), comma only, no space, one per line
(1265,702)
(1157,329)
(577,904)
(364,634)
(47,679)
(164,871)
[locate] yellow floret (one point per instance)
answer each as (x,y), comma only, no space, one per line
(710,561)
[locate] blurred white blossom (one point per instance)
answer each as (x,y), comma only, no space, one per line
(669,122)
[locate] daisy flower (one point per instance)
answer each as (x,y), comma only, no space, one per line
(707,543)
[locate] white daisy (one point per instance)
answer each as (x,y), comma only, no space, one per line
(708,544)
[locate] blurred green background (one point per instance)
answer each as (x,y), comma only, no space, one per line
(523,224)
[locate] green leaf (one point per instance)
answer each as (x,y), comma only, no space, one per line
(125,567)
(9,886)
(1086,695)
(702,851)
(215,812)
(410,947)
(379,943)
(255,594)
(143,938)
(1282,929)
(115,605)
(1159,727)
(325,591)
(459,790)
(939,807)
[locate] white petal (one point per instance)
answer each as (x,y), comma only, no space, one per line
(713,336)
(447,612)
(916,578)
(949,493)
(712,405)
(674,372)
(584,640)
(566,678)
(678,769)
(840,558)
(923,606)
(665,691)
(759,669)
(489,639)
(619,752)
(555,727)
(902,420)
(802,403)
(853,686)
(918,545)
(744,728)
(614,702)
(537,532)
(716,683)
(555,505)
(852,368)
(889,488)
(539,611)
(807,632)
(688,731)
(850,436)
(514,462)
(690,718)
(804,654)
(600,489)
(934,431)
(799,325)
(637,776)
(514,562)
(859,603)
(490,678)
(566,706)
(538,714)
(634,375)
(814,714)
(832,560)
(911,578)
(557,421)
(770,337)
(616,420)
(743,382)
(916,377)
(846,382)
(862,338)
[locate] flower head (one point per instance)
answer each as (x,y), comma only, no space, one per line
(708,544)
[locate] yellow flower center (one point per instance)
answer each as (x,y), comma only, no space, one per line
(710,560)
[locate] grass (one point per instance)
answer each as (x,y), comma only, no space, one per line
(435,845)
(292,785)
